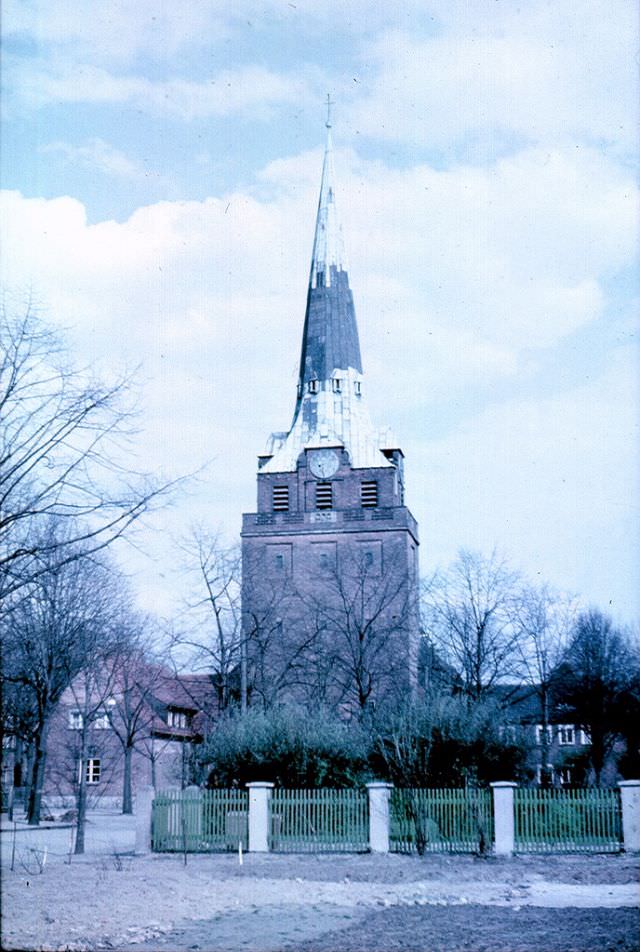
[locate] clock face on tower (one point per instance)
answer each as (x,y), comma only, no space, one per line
(323,463)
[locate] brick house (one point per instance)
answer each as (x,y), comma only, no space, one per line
(173,713)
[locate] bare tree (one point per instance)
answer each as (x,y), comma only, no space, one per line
(470,613)
(91,691)
(61,434)
(50,635)
(544,620)
(366,632)
(137,670)
(214,607)
(276,639)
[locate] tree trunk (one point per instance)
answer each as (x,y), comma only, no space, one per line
(127,792)
(81,799)
(37,775)
(243,676)
(546,780)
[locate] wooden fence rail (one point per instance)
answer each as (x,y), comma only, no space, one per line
(441,821)
(206,821)
(420,820)
(570,821)
(319,821)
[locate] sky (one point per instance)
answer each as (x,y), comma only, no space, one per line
(160,172)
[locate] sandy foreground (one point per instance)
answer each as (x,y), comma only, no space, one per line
(111,900)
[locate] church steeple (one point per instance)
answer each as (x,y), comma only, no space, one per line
(328,243)
(330,407)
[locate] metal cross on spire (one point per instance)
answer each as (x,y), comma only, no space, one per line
(330,103)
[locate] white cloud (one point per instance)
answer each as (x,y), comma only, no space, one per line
(116,30)
(554,480)
(100,155)
(457,275)
(543,70)
(250,90)
(455,271)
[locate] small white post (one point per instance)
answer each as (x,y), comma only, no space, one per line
(144,811)
(379,816)
(503,817)
(259,796)
(630,797)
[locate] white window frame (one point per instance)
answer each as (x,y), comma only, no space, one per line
(550,771)
(76,720)
(102,722)
(563,776)
(539,730)
(92,771)
(566,735)
(179,719)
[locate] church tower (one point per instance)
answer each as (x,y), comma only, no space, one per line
(330,558)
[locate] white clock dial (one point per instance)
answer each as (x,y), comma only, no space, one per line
(324,463)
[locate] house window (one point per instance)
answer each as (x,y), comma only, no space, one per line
(75,720)
(279,562)
(566,734)
(582,737)
(324,496)
(102,722)
(178,719)
(313,386)
(280,499)
(324,561)
(548,773)
(92,770)
(563,775)
(369,494)
(508,733)
(358,388)
(337,384)
(540,734)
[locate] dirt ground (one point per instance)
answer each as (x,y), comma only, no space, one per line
(327,903)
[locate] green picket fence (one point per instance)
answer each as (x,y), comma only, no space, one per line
(205,821)
(440,821)
(317,821)
(569,821)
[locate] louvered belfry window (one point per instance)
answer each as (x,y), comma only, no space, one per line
(324,496)
(369,494)
(281,499)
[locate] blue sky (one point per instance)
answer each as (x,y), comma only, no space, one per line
(161,164)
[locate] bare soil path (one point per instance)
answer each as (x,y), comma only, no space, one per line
(339,903)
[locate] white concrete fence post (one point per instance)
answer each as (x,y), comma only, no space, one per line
(630,797)
(144,815)
(503,817)
(259,796)
(379,816)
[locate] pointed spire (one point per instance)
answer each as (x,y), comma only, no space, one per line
(331,407)
(328,244)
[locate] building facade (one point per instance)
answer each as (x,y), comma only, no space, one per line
(330,557)
(160,715)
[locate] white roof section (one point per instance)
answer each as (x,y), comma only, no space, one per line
(331,419)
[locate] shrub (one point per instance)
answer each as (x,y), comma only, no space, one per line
(287,746)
